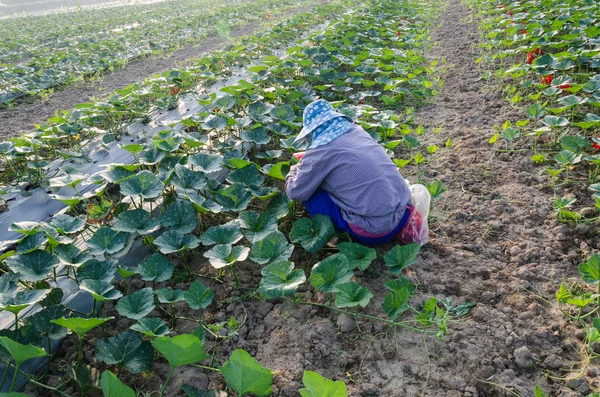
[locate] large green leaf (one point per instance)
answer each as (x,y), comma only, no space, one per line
(351,295)
(328,274)
(273,247)
(247,176)
(318,386)
(567,157)
(590,270)
(283,112)
(113,387)
(97,270)
(14,301)
(101,290)
(175,241)
(181,350)
(116,174)
(156,267)
(34,266)
(32,242)
(206,163)
(151,327)
(222,255)
(168,295)
(70,255)
(234,198)
(280,279)
(79,325)
(399,283)
(152,156)
(198,296)
(312,233)
(137,305)
(126,348)
(396,303)
(227,233)
(244,375)
(136,221)
(358,255)
(145,185)
(41,321)
(66,224)
(21,353)
(106,240)
(256,227)
(26,228)
(180,215)
(279,206)
(186,180)
(401,256)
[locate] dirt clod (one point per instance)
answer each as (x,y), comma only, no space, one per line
(346,323)
(523,357)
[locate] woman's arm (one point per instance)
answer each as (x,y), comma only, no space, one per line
(305,178)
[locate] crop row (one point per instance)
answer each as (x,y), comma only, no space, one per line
(370,64)
(69,136)
(37,53)
(549,51)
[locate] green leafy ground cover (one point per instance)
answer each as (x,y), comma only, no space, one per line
(40,52)
(370,64)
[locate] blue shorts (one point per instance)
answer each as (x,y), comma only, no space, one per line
(321,203)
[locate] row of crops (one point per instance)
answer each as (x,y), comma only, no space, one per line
(203,197)
(549,52)
(41,52)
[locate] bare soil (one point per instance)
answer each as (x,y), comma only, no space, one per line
(21,117)
(494,240)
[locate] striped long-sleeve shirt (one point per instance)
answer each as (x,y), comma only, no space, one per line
(360,178)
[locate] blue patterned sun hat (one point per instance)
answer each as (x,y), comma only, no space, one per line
(316,114)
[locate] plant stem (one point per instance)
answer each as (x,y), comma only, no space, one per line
(383,320)
(162,391)
(16,321)
(49,348)
(54,389)
(80,351)
(14,380)
(4,376)
(205,367)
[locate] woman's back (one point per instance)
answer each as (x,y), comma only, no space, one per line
(360,178)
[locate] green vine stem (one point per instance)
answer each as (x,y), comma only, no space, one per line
(380,319)
(162,391)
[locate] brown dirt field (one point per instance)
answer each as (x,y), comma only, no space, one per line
(494,240)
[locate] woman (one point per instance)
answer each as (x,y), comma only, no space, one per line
(346,175)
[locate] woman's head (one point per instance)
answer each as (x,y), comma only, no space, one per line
(315,115)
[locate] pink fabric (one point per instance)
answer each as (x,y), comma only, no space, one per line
(363,233)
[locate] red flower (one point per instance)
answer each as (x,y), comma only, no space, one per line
(530,57)
(298,27)
(512,23)
(398,33)
(500,6)
(596,145)
(523,23)
(537,51)
(510,12)
(565,86)
(361,103)
(523,31)
(547,80)
(175,91)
